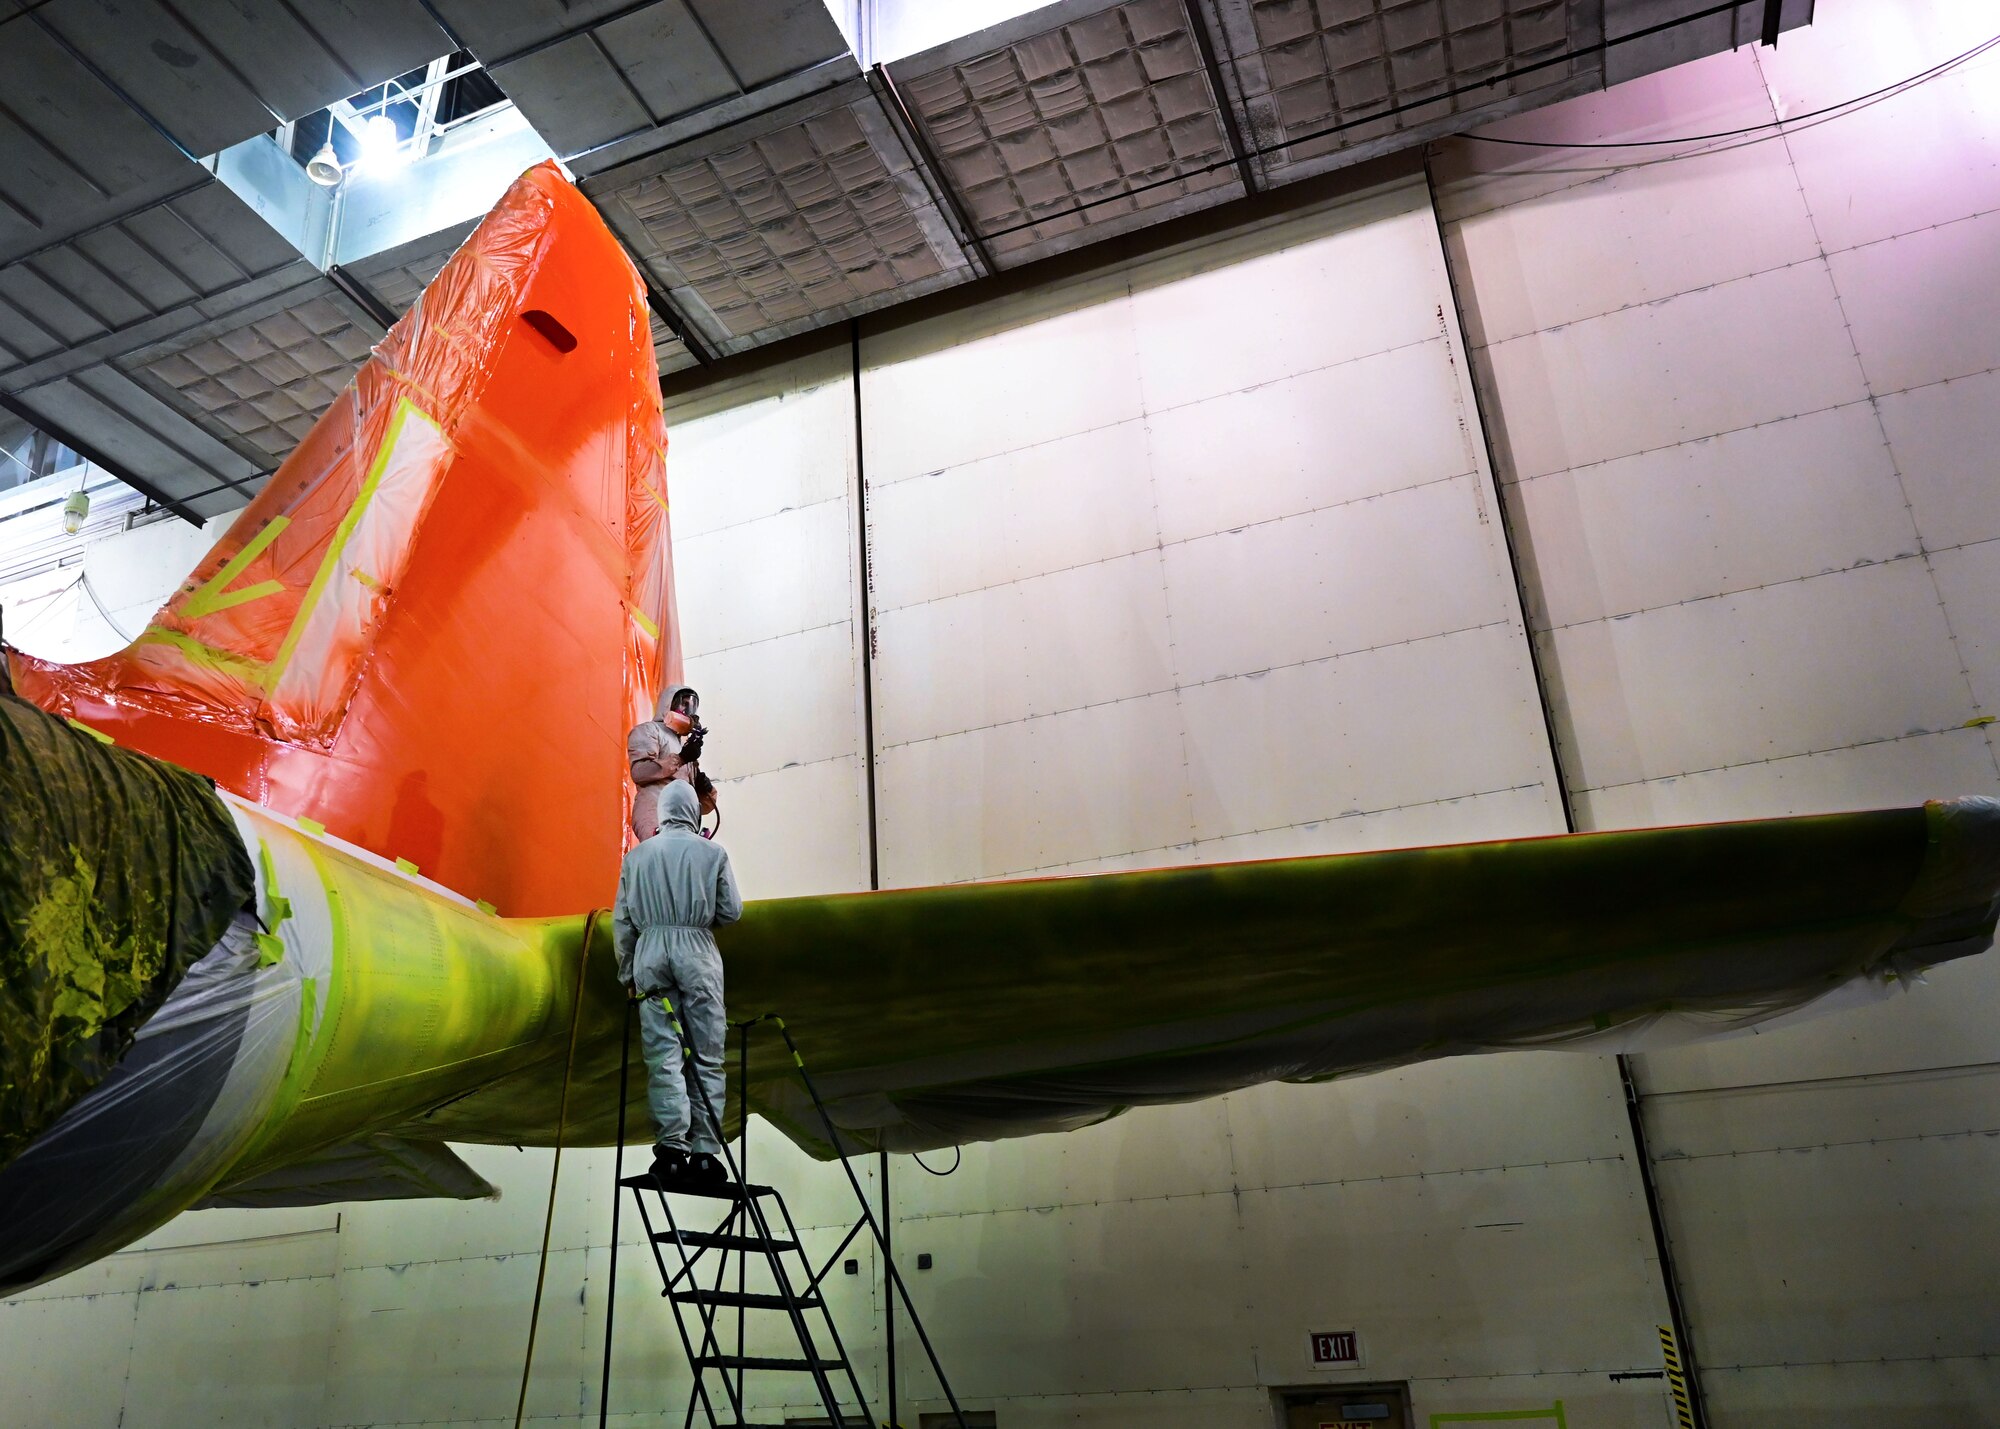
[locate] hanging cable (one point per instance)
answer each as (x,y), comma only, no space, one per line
(555,1167)
(1885,92)
(91,591)
(958,1160)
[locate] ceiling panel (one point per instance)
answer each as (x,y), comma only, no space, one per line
(163,67)
(257,380)
(1327,82)
(129,281)
(399,275)
(172,458)
(213,75)
(604,83)
(1057,134)
(796,219)
(72,155)
(301,55)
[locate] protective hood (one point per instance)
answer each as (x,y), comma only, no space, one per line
(668,697)
(679,808)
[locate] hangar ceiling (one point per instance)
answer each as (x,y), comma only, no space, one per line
(766,180)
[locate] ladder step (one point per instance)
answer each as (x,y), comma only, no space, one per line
(728,1191)
(762,1362)
(749,1300)
(723,1240)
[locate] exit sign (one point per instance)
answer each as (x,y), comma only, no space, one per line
(1335,1347)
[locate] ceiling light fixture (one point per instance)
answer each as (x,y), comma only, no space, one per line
(324,167)
(381,143)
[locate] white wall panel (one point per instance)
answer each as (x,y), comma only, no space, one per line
(1726,513)
(1633,236)
(271,1336)
(1083,1298)
(1309,485)
(1308,442)
(1462,1272)
(757,580)
(1844,659)
(1374,731)
(1968,582)
(68,1357)
(1033,796)
(1880,1108)
(438,1341)
(1887,774)
(1944,437)
(1859,178)
(1925,1280)
(1312,587)
(1456,1114)
(1925,306)
(1709,361)
(1465,818)
(1067,368)
(798,830)
(776,441)
(1084,636)
(1916,1393)
(1785,608)
(797,704)
(1015,515)
(1726,91)
(1247,311)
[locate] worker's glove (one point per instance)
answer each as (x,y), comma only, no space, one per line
(691,746)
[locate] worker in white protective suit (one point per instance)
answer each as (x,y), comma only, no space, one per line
(673,890)
(662,750)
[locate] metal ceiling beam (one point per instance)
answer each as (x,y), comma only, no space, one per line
(98,459)
(1774,13)
(1198,27)
(362,296)
(929,164)
(677,324)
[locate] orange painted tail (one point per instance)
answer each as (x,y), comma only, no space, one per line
(432,629)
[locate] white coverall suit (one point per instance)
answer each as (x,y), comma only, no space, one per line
(672,890)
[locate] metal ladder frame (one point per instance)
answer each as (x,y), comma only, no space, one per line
(745,1208)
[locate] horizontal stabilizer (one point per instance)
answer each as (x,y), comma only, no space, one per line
(375,1168)
(933,1016)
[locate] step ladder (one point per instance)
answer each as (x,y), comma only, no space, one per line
(749,1232)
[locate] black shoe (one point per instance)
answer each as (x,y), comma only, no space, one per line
(670,1165)
(705,1170)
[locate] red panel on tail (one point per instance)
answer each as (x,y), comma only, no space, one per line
(432,629)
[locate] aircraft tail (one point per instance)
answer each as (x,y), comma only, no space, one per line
(433,627)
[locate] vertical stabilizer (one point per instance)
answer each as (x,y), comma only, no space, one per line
(433,627)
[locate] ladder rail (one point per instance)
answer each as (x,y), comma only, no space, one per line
(833,1329)
(868,1215)
(706,1313)
(827,1269)
(680,1327)
(773,1258)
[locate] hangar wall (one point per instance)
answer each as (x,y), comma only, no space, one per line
(1049,619)
(1749,462)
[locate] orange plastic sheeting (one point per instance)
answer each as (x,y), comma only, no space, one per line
(432,629)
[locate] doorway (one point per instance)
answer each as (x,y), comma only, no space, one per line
(1345,1406)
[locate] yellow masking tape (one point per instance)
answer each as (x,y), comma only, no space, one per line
(212,596)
